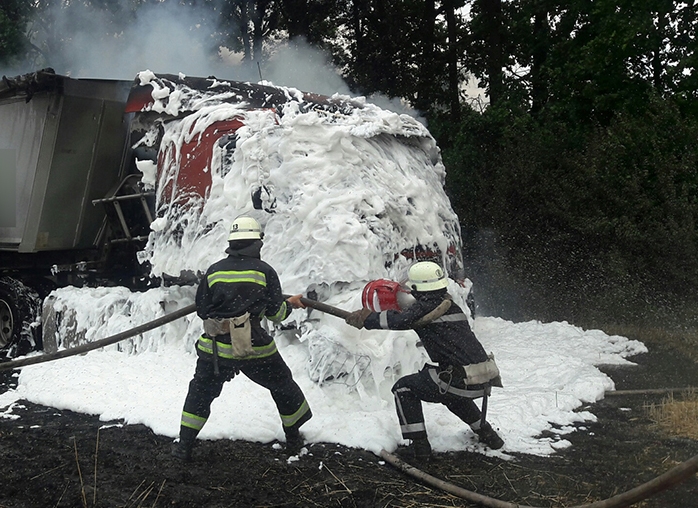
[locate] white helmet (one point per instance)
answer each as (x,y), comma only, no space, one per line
(245,228)
(427,276)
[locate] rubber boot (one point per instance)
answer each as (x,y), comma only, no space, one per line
(294,442)
(422,450)
(489,437)
(418,451)
(182,449)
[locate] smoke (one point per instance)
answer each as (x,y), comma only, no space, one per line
(297,64)
(163,37)
(169,38)
(166,38)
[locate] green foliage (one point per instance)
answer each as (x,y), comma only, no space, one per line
(577,188)
(386,51)
(13,41)
(594,217)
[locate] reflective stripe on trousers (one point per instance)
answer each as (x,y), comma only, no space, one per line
(407,428)
(192,421)
(291,420)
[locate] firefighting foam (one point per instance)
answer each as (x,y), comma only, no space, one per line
(345,196)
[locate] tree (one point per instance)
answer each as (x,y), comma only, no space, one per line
(486,59)
(582,171)
(381,54)
(311,20)
(452,56)
(412,49)
(15,46)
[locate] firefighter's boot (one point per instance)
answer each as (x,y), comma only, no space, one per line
(182,448)
(422,450)
(294,442)
(489,437)
(419,451)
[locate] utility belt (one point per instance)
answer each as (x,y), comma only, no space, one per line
(240,330)
(477,380)
(474,374)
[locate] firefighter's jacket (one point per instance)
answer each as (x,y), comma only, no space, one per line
(237,284)
(448,340)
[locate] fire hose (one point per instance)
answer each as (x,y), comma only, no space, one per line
(323,307)
(156,323)
(669,479)
(665,481)
(84,348)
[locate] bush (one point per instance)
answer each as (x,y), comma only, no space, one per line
(579,221)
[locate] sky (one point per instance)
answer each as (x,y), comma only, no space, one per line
(347,192)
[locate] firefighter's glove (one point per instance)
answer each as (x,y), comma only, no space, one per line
(357,318)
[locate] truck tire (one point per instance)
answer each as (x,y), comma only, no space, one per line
(20,330)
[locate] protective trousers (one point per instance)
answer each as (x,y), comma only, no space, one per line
(271,372)
(427,386)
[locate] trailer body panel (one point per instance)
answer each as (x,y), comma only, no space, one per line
(68,143)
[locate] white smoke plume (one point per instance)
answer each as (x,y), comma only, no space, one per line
(163,37)
(170,38)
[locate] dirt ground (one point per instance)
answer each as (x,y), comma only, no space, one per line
(54,458)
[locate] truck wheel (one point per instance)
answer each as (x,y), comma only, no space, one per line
(20,307)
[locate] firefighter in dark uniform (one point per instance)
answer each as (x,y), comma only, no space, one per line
(236,293)
(463,370)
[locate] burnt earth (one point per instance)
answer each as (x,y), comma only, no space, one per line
(56,458)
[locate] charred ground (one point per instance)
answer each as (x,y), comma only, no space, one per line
(56,458)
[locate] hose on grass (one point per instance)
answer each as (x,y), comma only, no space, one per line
(665,481)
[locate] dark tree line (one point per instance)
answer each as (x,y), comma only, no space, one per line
(577,186)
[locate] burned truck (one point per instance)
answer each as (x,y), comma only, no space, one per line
(106,172)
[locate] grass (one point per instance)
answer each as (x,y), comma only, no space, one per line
(677,417)
(137,498)
(682,339)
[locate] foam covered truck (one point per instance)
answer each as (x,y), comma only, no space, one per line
(134,182)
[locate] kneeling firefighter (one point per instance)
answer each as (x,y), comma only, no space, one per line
(236,293)
(463,370)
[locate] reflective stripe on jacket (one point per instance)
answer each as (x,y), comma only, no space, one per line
(225,350)
(238,284)
(448,340)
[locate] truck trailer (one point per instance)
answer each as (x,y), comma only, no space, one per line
(64,146)
(96,172)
